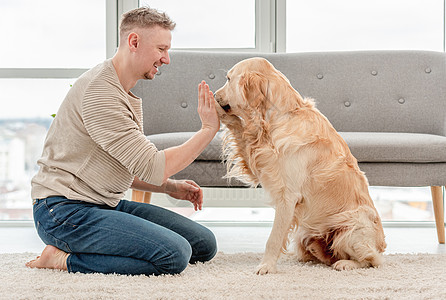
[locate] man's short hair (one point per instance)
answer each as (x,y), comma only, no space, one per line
(144,17)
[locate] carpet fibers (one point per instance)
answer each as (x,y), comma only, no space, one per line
(230,276)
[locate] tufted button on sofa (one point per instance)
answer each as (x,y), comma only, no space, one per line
(389,106)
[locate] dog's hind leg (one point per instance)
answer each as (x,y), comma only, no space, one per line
(282,222)
(319,249)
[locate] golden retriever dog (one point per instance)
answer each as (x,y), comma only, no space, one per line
(278,139)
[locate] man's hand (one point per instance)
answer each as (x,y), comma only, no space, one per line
(220,111)
(206,108)
(185,190)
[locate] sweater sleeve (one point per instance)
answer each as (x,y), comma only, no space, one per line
(111,124)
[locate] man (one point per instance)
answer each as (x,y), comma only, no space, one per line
(95,150)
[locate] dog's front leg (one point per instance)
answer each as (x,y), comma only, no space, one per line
(282,222)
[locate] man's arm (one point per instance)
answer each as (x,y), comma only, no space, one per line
(147,187)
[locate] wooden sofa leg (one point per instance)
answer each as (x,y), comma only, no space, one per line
(437,200)
(141,196)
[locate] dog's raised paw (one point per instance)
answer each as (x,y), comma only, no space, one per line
(263,269)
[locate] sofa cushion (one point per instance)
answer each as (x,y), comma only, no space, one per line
(396,147)
(365,146)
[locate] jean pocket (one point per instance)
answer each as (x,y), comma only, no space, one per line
(62,211)
(49,239)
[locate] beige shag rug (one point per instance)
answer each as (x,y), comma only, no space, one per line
(230,276)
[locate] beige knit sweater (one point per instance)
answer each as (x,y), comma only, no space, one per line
(95,145)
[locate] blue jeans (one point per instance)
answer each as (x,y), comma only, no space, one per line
(132,238)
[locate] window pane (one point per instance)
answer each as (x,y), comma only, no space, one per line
(206,24)
(23,127)
(52,33)
(325,25)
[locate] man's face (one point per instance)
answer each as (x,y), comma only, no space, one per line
(152,51)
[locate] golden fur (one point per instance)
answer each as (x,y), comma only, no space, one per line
(278,139)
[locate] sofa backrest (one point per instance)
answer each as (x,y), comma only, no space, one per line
(366,91)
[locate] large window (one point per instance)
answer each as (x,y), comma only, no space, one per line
(47,44)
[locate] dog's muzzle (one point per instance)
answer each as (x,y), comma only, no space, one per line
(226,107)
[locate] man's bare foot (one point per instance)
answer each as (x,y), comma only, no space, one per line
(51,258)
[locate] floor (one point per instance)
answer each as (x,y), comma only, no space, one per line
(246,239)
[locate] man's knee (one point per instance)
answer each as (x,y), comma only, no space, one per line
(205,248)
(177,260)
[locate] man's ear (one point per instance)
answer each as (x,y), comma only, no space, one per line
(255,89)
(133,41)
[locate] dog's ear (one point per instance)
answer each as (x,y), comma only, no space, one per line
(255,89)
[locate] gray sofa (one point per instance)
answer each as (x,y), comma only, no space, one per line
(389,106)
